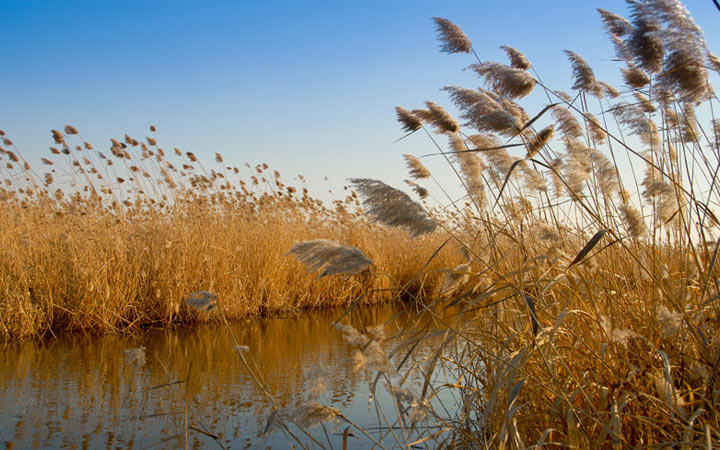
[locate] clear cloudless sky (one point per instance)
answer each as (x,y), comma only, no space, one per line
(308,87)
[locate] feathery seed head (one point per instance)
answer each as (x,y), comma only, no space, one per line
(713,61)
(644,42)
(635,77)
(410,122)
(520,117)
(684,74)
(330,256)
(203,301)
(539,140)
(633,221)
(452,37)
(58,137)
(584,75)
(482,110)
(670,322)
(567,123)
(639,124)
(69,129)
(608,89)
(547,233)
(443,121)
(415,167)
(392,207)
(614,24)
(644,103)
(424,115)
(504,80)
(597,132)
(401,394)
(605,172)
(517,58)
(313,414)
(532,178)
(454,279)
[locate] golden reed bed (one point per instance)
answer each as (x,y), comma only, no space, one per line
(582,255)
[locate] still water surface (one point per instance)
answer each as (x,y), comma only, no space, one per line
(78,392)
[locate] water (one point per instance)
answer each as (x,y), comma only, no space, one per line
(79,392)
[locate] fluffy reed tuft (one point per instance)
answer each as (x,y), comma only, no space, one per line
(330,256)
(482,110)
(415,167)
(635,77)
(539,140)
(391,207)
(410,122)
(443,121)
(584,75)
(517,58)
(203,301)
(452,37)
(504,80)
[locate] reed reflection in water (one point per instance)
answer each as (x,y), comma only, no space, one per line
(80,391)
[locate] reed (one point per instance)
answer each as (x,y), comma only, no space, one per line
(589,312)
(582,257)
(114,241)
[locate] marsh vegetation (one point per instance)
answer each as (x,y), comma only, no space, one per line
(578,268)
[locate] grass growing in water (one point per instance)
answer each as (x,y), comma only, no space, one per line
(101,243)
(585,266)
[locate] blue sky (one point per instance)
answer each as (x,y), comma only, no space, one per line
(307,87)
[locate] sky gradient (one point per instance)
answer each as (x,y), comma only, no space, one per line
(307,87)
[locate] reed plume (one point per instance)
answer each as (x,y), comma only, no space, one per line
(410,122)
(443,121)
(635,77)
(330,256)
(517,58)
(415,167)
(392,207)
(452,37)
(539,140)
(203,301)
(504,80)
(584,75)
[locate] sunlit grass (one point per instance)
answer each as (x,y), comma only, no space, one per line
(103,243)
(582,257)
(589,287)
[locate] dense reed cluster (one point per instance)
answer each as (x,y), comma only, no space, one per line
(574,285)
(102,240)
(588,286)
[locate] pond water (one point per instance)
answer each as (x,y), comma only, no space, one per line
(83,392)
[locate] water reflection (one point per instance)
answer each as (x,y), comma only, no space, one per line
(78,392)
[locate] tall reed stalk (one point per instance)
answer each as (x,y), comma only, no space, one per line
(588,286)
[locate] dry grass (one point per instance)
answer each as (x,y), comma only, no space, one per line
(590,293)
(105,243)
(587,281)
